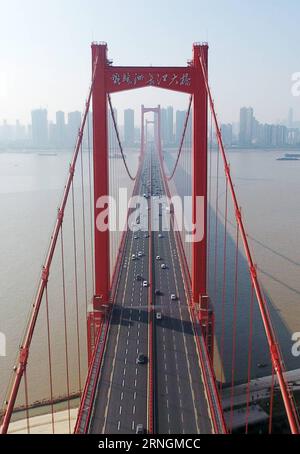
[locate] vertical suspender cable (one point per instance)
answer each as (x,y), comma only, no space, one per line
(216,230)
(224,286)
(249,356)
(234,328)
(26,401)
(276,356)
(91,204)
(65,325)
(271,401)
(209,204)
(84,231)
(49,358)
(76,288)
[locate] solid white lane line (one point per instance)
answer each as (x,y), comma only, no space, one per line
(184,340)
(116,345)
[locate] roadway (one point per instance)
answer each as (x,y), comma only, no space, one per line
(180,404)
(121,401)
(180,401)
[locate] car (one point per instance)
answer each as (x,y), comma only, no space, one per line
(138,277)
(145,284)
(141,359)
(158,316)
(160,235)
(157,292)
(136,237)
(133,257)
(140,254)
(146,235)
(173,297)
(140,429)
(158,257)
(163,266)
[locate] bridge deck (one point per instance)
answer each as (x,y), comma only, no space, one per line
(180,404)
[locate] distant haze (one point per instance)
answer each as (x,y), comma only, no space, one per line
(45,52)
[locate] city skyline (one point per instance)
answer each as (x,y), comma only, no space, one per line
(241,64)
(248,132)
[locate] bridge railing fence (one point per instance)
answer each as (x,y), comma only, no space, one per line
(49,372)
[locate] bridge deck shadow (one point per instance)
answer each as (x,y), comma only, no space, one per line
(260,350)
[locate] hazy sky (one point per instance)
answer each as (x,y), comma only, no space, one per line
(45,51)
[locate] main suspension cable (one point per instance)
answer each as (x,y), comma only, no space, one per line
(119,141)
(187,116)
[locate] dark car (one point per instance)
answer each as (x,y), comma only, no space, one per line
(157,292)
(141,359)
(140,429)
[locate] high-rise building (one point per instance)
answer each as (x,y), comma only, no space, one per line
(60,132)
(129,127)
(290,122)
(226,130)
(163,122)
(167,126)
(74,122)
(39,123)
(111,128)
(246,126)
(170,125)
(52,133)
(180,120)
(20,133)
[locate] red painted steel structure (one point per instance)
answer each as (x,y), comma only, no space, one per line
(101,172)
(277,360)
(186,79)
(199,169)
(20,368)
(193,80)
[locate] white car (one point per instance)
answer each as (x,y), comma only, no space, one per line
(140,254)
(160,235)
(133,257)
(173,297)
(158,316)
(145,284)
(158,257)
(163,266)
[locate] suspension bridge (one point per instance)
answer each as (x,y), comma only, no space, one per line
(137,327)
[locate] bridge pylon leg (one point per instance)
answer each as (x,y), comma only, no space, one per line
(199,190)
(101,300)
(207,322)
(94,321)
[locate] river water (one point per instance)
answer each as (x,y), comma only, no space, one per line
(30,188)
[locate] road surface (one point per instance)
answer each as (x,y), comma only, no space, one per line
(122,398)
